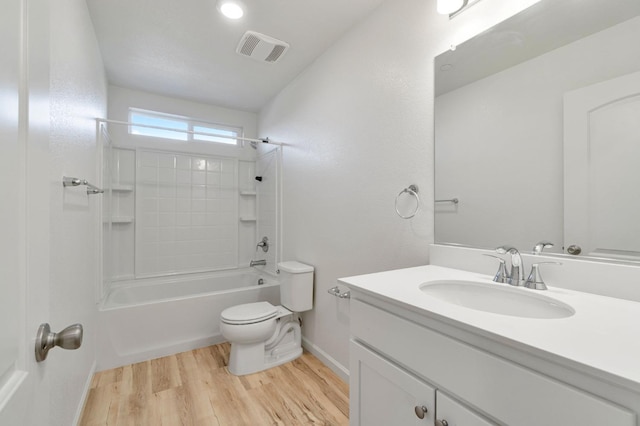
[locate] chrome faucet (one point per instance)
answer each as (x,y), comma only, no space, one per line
(516,276)
(257,263)
(502,276)
(264,243)
(535,281)
(537,249)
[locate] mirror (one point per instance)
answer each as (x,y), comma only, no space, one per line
(537,134)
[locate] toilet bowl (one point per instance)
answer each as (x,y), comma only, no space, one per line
(263,335)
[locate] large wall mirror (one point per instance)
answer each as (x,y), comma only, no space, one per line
(537,132)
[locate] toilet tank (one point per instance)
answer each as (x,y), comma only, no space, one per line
(296,286)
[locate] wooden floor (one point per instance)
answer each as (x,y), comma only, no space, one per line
(195,388)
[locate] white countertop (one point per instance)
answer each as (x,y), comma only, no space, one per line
(603,334)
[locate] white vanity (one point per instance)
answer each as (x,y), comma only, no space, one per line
(425,353)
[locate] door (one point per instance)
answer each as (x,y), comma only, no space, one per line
(23,215)
(601,148)
(384,394)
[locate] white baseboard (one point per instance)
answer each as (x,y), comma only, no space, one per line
(109,359)
(85,394)
(340,370)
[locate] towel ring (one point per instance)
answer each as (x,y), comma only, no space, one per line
(412,190)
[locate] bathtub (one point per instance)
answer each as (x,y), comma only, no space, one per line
(152,318)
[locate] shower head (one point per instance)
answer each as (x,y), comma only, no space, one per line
(254,144)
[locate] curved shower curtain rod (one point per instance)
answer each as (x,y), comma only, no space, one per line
(127,123)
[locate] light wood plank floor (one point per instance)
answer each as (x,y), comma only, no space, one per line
(194,388)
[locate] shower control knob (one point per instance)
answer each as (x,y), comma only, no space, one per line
(574,249)
(442,423)
(420,410)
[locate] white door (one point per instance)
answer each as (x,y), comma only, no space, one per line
(23,218)
(602,178)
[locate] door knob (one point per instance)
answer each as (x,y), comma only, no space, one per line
(69,338)
(574,250)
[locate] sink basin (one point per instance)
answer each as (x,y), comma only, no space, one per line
(497,299)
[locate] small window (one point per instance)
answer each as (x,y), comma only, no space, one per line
(141,120)
(216,130)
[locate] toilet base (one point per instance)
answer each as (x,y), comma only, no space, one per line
(255,357)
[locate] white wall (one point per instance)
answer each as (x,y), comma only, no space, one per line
(358,128)
(505,163)
(77,95)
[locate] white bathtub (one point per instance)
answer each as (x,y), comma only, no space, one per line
(157,317)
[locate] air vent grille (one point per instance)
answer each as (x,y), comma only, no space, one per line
(249,45)
(261,47)
(275,54)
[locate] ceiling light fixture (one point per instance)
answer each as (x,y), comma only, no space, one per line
(448,7)
(230,9)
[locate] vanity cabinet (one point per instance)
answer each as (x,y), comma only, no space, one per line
(400,360)
(383,393)
(386,394)
(452,413)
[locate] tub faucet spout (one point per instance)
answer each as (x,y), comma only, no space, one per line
(257,263)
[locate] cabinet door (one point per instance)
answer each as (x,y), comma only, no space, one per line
(382,393)
(452,413)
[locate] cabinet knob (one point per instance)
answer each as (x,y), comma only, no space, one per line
(420,410)
(442,422)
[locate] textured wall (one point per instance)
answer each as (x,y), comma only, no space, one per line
(358,124)
(78,94)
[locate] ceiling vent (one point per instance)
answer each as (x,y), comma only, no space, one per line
(261,47)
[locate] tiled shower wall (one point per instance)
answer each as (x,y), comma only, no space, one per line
(177,212)
(186,213)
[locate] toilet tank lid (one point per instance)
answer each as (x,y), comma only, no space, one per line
(294,267)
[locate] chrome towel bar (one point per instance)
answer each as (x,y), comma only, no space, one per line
(335,291)
(452,200)
(71,181)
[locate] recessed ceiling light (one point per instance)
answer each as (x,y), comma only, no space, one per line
(447,7)
(231,9)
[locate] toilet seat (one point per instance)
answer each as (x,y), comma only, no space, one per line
(249,313)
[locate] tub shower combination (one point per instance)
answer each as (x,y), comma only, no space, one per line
(156,302)
(163,316)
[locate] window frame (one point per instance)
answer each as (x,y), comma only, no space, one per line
(190,122)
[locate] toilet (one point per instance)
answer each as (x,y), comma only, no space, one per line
(263,335)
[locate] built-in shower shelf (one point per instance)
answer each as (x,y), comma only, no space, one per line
(247,219)
(121,219)
(248,193)
(122,188)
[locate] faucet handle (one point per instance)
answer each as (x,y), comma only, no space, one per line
(537,249)
(502,276)
(535,281)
